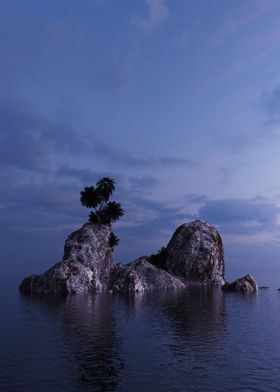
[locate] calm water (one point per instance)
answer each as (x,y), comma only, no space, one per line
(194,341)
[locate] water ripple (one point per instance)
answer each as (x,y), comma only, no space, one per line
(199,340)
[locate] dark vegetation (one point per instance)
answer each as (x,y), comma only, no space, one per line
(114,240)
(159,259)
(104,211)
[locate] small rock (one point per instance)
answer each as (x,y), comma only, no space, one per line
(246,284)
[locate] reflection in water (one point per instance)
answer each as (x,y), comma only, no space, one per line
(177,339)
(90,326)
(198,320)
(193,312)
(195,340)
(89,331)
(199,312)
(109,338)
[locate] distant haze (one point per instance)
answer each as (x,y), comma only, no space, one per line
(178,101)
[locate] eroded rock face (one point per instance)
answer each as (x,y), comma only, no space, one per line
(90,247)
(195,254)
(140,275)
(246,284)
(87,262)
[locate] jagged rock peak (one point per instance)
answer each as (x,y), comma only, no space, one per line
(195,253)
(90,245)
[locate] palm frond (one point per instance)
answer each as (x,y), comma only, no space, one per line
(105,187)
(94,218)
(90,197)
(113,240)
(112,212)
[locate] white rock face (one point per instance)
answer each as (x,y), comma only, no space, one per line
(195,253)
(87,262)
(90,247)
(140,275)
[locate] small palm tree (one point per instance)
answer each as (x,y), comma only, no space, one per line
(114,240)
(112,212)
(106,187)
(90,197)
(104,211)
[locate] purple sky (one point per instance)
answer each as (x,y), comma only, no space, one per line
(178,101)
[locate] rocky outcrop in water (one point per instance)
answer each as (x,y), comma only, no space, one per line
(246,284)
(195,253)
(86,265)
(194,256)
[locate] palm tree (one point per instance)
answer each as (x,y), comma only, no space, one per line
(112,212)
(114,240)
(90,197)
(103,211)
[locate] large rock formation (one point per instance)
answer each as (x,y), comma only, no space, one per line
(87,262)
(195,253)
(246,284)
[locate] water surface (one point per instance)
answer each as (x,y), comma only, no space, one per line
(198,340)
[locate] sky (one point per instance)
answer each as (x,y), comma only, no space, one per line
(178,101)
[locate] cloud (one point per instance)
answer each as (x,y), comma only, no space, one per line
(147,226)
(20,136)
(28,139)
(37,206)
(121,158)
(50,196)
(243,16)
(241,216)
(83,177)
(41,192)
(195,198)
(157,14)
(43,52)
(267,131)
(239,144)
(227,175)
(143,184)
